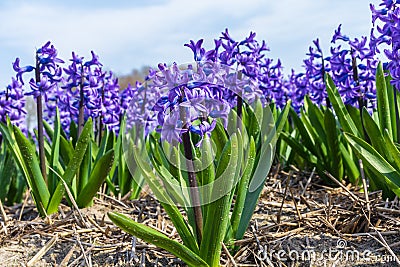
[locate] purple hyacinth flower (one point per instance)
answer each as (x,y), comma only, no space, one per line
(198,51)
(21,70)
(41,87)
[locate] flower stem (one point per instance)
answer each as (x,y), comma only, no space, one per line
(323,72)
(239,102)
(194,190)
(100,130)
(39,107)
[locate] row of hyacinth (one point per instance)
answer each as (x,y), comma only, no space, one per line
(351,63)
(61,88)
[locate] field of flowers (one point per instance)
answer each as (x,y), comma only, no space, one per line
(201,137)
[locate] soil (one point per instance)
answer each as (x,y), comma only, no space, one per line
(299,221)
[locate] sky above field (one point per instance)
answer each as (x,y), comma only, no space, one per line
(129,34)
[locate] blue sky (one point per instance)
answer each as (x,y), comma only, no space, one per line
(128,34)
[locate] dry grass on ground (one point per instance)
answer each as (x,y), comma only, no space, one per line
(298,222)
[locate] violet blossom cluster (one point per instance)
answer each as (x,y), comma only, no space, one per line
(47,75)
(100,89)
(353,69)
(176,100)
(12,104)
(352,66)
(247,57)
(47,71)
(386,31)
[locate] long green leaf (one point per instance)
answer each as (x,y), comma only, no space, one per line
(332,136)
(344,117)
(280,122)
(392,150)
(153,236)
(382,100)
(391,100)
(7,171)
(96,179)
(298,148)
(66,148)
(352,170)
(54,156)
(306,137)
(242,191)
(374,133)
(217,217)
(73,166)
(155,185)
(255,187)
(316,118)
(39,188)
(7,132)
(384,172)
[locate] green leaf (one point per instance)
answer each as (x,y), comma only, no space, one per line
(355,115)
(219,137)
(280,122)
(343,115)
(334,153)
(207,174)
(382,101)
(316,118)
(38,185)
(84,171)
(7,172)
(391,94)
(154,237)
(391,150)
(96,179)
(255,187)
(218,212)
(73,166)
(374,133)
(298,148)
(54,155)
(66,148)
(383,171)
(351,168)
(254,121)
(242,191)
(154,183)
(9,137)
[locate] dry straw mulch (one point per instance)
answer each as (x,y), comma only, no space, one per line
(298,222)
